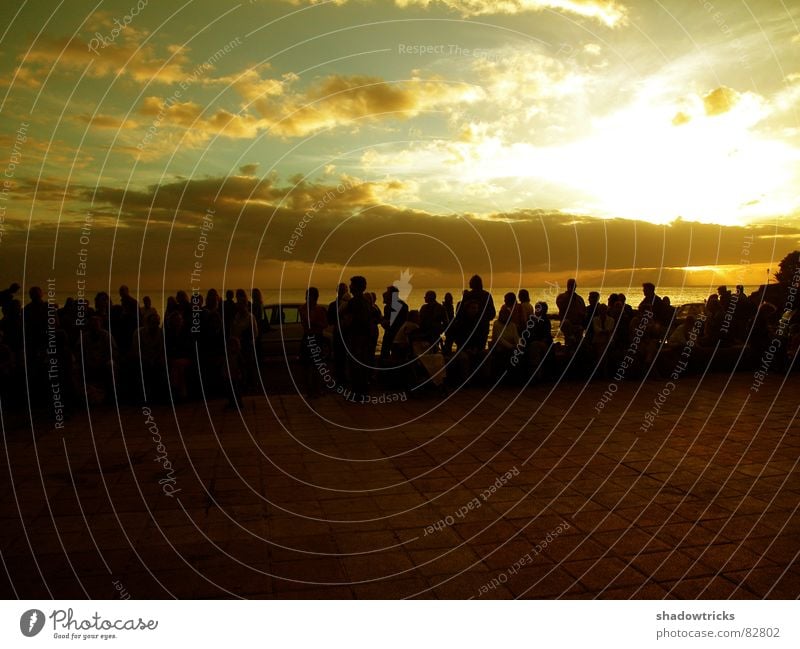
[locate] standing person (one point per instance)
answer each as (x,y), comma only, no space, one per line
(432,319)
(314,318)
(244,328)
(591,312)
(257,309)
(356,318)
(477,312)
(147,309)
(228,311)
(571,312)
(375,319)
(655,304)
(7,295)
(335,309)
(449,309)
(395,313)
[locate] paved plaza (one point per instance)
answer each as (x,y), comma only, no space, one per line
(499,493)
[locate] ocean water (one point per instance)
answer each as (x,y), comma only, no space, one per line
(415,296)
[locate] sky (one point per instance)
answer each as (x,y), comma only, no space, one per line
(284,143)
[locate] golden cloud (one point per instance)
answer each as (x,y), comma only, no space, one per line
(127,56)
(106,121)
(720,100)
(338,100)
(608,12)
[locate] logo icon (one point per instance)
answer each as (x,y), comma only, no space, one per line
(31,622)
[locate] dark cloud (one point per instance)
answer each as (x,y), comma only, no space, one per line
(350,224)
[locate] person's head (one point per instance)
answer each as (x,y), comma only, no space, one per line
(256,295)
(388,294)
(241,296)
(448,298)
(35,293)
(124,291)
(509,299)
(413,316)
(722,290)
(649,289)
(358,284)
(341,290)
(172,304)
(621,297)
(430,297)
(739,289)
(540,309)
(612,299)
(524,296)
(594,297)
(476,283)
(666,300)
(571,284)
(182,297)
(13,288)
(229,295)
(101,301)
(312,295)
(602,310)
(147,302)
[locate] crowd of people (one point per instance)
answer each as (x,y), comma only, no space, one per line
(207,346)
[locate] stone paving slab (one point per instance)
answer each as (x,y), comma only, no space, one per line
(512,493)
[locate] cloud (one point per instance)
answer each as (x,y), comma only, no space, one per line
(106,121)
(680,119)
(720,100)
(125,57)
(339,100)
(331,102)
(608,12)
(249,169)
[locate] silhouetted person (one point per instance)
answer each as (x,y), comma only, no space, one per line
(356,317)
(7,295)
(449,309)
(572,313)
(179,355)
(526,310)
(591,311)
(34,316)
(475,315)
(395,313)
(228,311)
(335,310)
(147,308)
(313,347)
(654,304)
(257,309)
(432,319)
(147,351)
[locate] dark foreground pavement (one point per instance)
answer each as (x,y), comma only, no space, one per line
(505,494)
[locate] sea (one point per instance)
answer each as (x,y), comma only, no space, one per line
(415,296)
